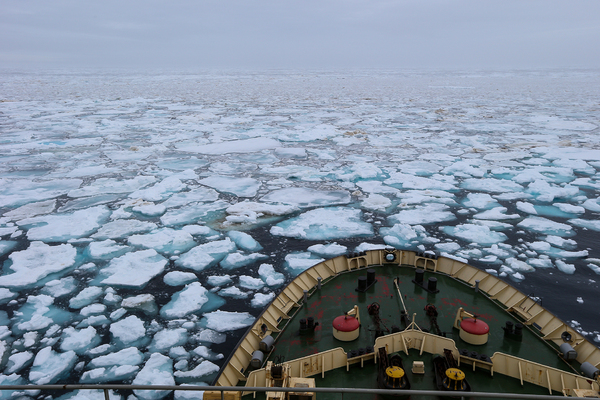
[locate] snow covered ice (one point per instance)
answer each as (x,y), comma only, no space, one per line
(144,223)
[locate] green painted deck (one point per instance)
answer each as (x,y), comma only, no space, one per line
(339,296)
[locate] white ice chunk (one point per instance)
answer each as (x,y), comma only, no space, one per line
(133,270)
(106,250)
(481,201)
(16,192)
(299,262)
(547,192)
(232,146)
(179,278)
(233,292)
(62,227)
(306,197)
(585,223)
(324,224)
(127,356)
(159,191)
(165,240)
(112,185)
(242,187)
(167,338)
(18,361)
(150,209)
(526,207)
(546,226)
(207,354)
(189,300)
(423,214)
(39,260)
(496,213)
(491,185)
(59,287)
(376,202)
(86,297)
(564,267)
(31,210)
(268,274)
(569,208)
(144,302)
(260,300)
(480,234)
(249,282)
(244,241)
(206,255)
(79,340)
(123,228)
(49,366)
(192,213)
(158,370)
(203,194)
(203,369)
(128,331)
(238,260)
(328,250)
(224,321)
(219,280)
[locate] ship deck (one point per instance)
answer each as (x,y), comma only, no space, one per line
(339,296)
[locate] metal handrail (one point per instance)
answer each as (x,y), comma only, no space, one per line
(222,389)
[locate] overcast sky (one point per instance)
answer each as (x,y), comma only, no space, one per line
(300,34)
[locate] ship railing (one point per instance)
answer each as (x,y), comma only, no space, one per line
(227,390)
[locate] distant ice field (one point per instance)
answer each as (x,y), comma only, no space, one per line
(146,219)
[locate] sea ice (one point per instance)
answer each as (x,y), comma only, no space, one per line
(189,300)
(158,370)
(164,240)
(50,366)
(142,302)
(248,282)
(106,250)
(159,191)
(133,270)
(167,338)
(241,187)
(86,297)
(38,261)
(238,260)
(123,228)
(17,361)
(376,202)
(299,262)
(260,300)
(219,280)
(203,369)
(244,241)
(472,233)
(129,331)
(306,197)
(178,278)
(127,356)
(324,224)
(206,255)
(233,292)
(423,215)
(224,321)
(79,340)
(546,226)
(585,223)
(327,250)
(112,185)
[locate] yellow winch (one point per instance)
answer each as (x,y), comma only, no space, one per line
(455,379)
(394,372)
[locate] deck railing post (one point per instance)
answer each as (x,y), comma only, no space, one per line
(106,394)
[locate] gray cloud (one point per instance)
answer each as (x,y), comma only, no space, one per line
(306,34)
